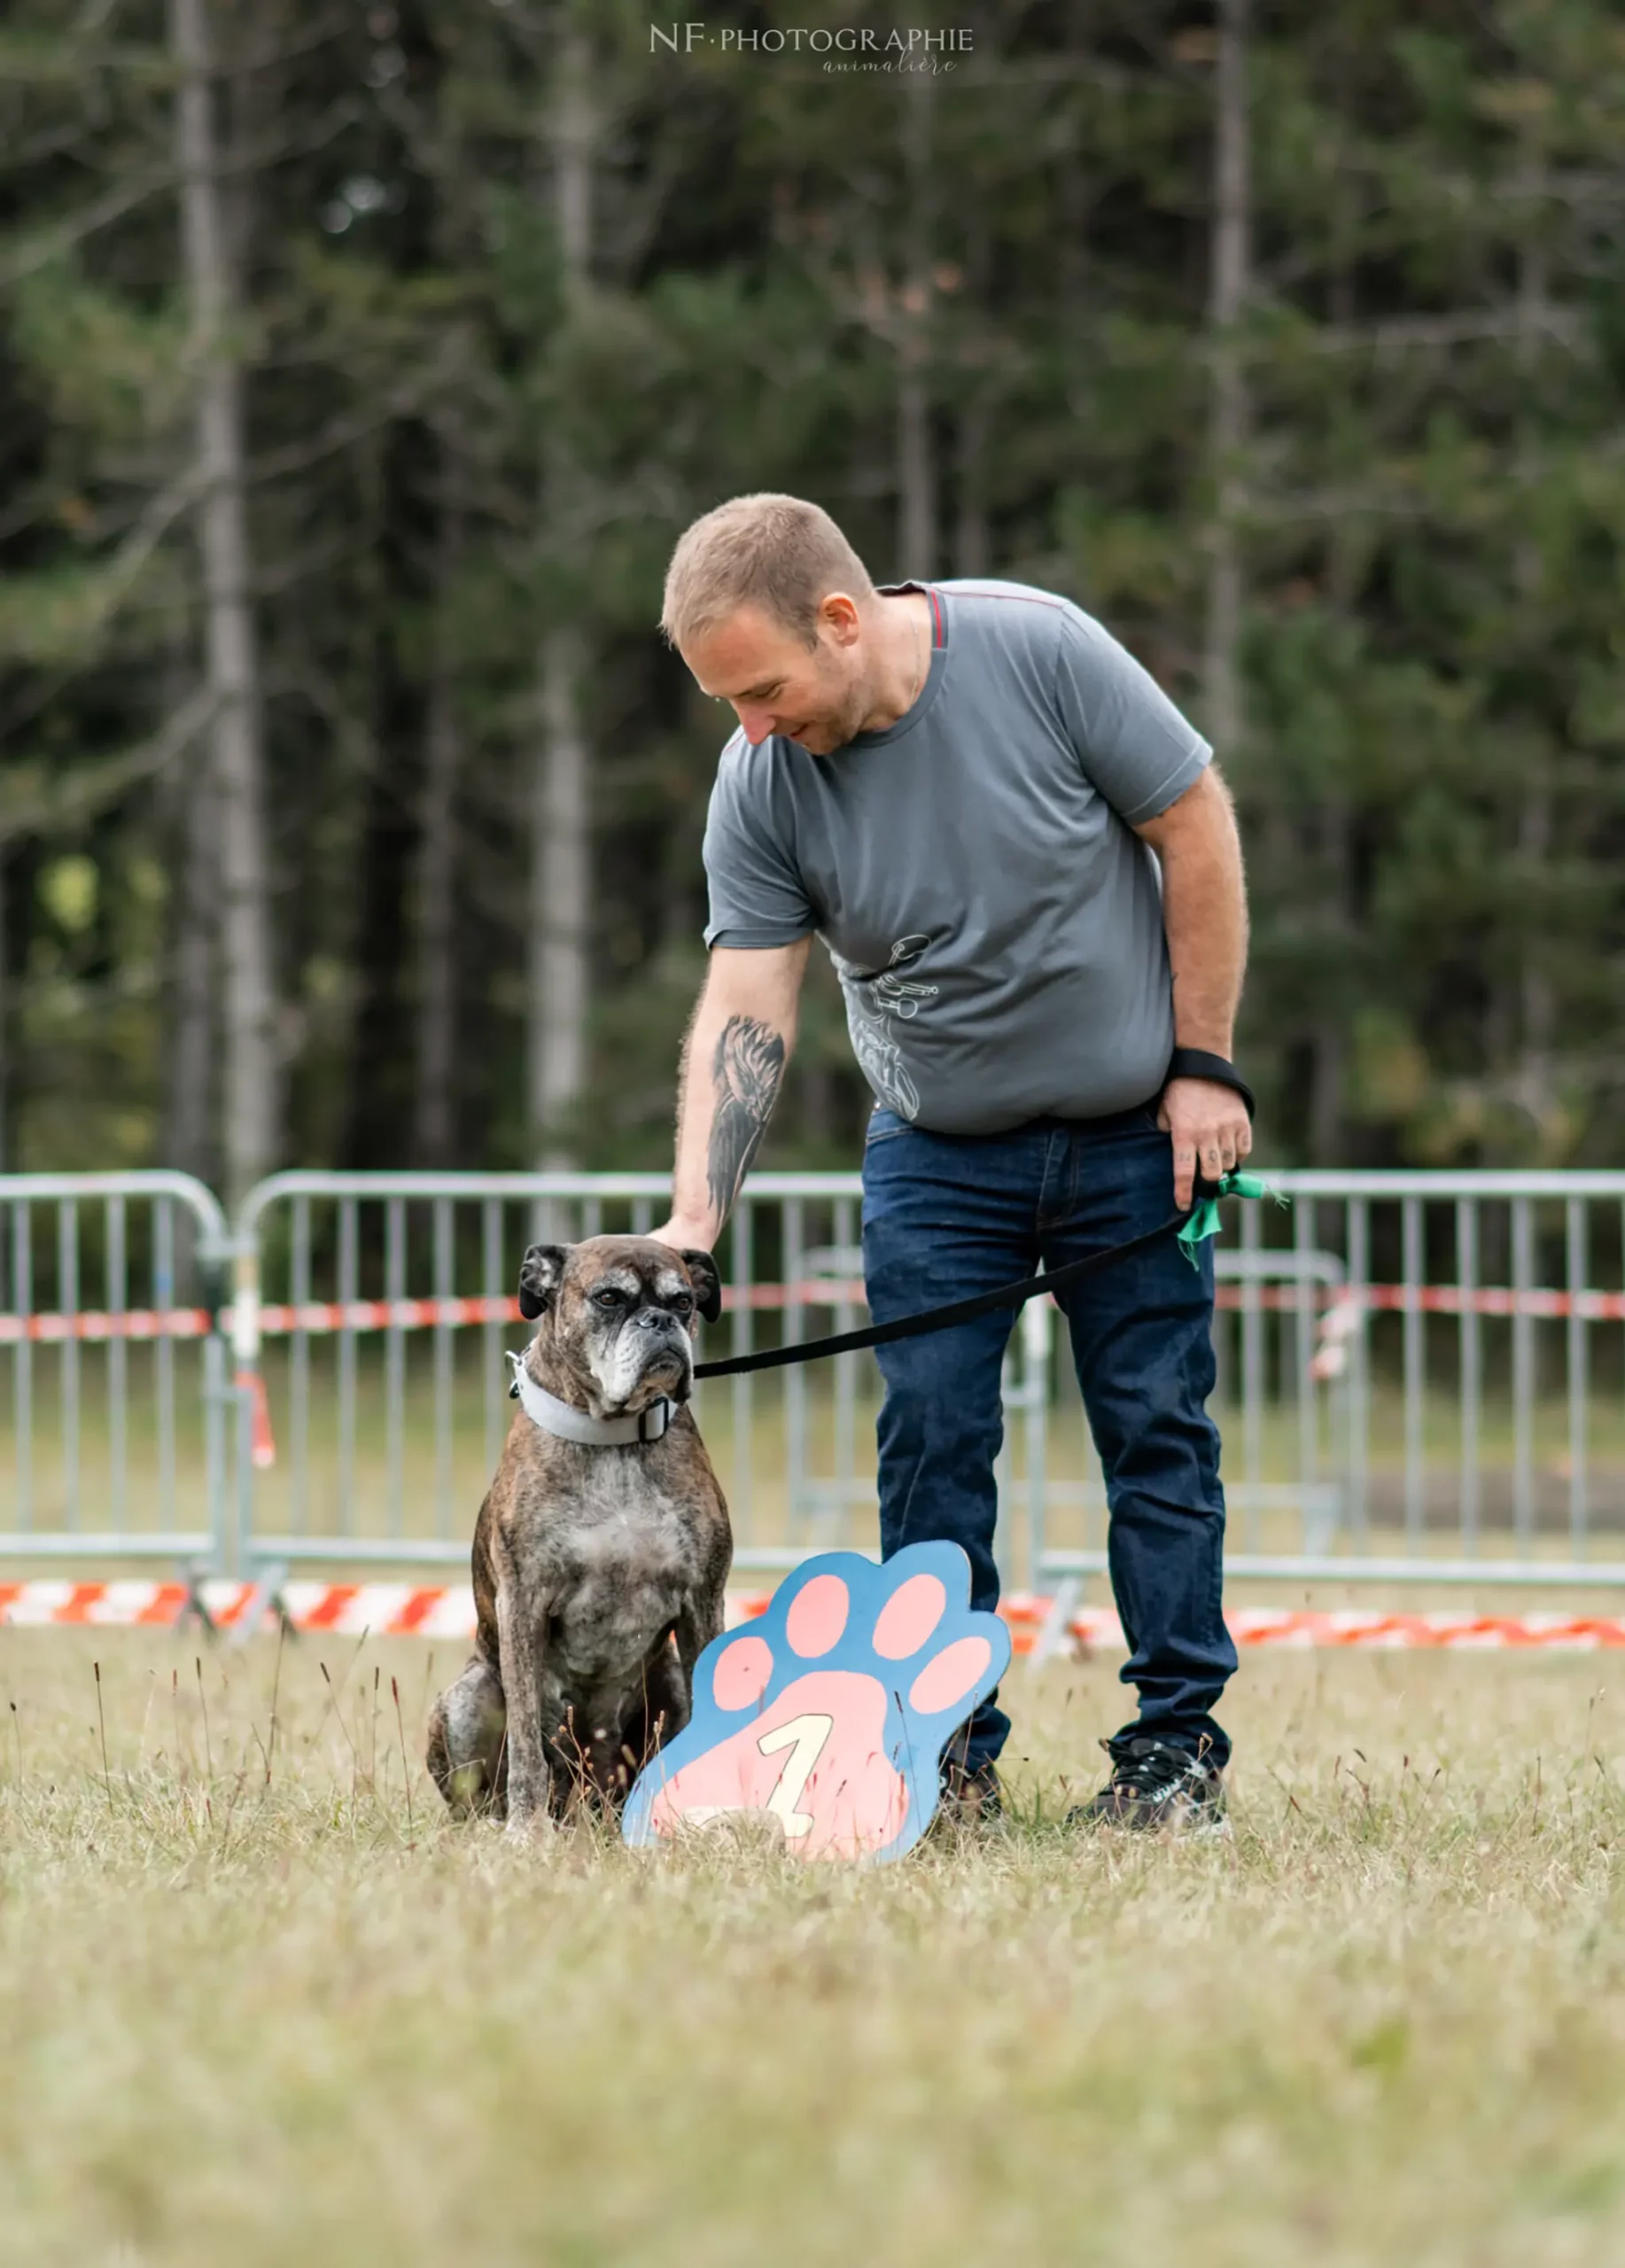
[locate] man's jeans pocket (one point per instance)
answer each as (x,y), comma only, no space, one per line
(884,1126)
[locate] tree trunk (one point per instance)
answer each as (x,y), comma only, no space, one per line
(1536,1012)
(189,1113)
(379,1067)
(1329,866)
(559,894)
(1329,1038)
(970,545)
(20,864)
(916,456)
(1325,1100)
(1228,409)
(1074,188)
(7,1165)
(970,538)
(433,1131)
(251,1103)
(561,849)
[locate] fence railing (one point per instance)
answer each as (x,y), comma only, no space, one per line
(1421,1376)
(1440,1398)
(383,1303)
(110,1292)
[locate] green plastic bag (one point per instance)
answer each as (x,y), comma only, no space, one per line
(1204,1221)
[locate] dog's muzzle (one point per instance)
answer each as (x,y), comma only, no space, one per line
(663,1334)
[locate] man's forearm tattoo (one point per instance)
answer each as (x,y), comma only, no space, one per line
(746,1071)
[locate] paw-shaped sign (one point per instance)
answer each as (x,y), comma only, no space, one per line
(830,1713)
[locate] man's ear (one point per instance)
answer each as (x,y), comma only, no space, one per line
(706,1282)
(540,1274)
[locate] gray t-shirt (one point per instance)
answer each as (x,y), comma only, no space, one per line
(996,926)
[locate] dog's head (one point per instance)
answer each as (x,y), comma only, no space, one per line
(620,1311)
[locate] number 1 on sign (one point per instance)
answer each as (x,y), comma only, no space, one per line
(804,1737)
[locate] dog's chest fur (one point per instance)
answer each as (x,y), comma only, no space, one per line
(616,1574)
(614,1545)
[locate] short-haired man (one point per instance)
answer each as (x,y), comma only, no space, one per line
(959,788)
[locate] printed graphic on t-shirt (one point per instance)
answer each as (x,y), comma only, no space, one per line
(874,1006)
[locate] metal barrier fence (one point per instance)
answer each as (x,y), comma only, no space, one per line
(384,1304)
(1422,1376)
(1421,1379)
(109,1298)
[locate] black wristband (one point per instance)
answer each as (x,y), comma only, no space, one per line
(1196,1063)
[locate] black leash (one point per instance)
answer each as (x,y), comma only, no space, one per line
(917,1326)
(1197,1223)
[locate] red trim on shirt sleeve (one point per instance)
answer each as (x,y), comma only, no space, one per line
(936,614)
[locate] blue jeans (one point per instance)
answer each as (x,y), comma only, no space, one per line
(945,1216)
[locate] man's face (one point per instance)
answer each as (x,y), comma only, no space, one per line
(773,683)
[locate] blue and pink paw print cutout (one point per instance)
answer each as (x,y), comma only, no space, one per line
(830,1713)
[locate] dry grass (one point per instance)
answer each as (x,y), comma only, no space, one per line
(257,2010)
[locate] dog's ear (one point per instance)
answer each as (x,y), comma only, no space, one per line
(706,1282)
(540,1274)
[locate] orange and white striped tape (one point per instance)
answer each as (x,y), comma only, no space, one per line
(1302,1629)
(92,1323)
(387,1609)
(320,1318)
(446,1610)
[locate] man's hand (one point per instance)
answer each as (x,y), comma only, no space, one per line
(688,1236)
(1210,1130)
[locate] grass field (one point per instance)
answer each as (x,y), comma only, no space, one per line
(261,2004)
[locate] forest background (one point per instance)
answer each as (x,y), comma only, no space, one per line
(360,364)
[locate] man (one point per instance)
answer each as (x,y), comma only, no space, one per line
(960,787)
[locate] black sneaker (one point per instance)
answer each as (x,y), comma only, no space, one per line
(1157,1789)
(971,1798)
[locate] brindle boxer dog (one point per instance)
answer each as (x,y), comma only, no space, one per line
(603,1547)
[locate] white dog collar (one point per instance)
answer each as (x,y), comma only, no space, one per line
(572,1424)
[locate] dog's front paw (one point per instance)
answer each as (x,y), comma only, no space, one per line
(830,1714)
